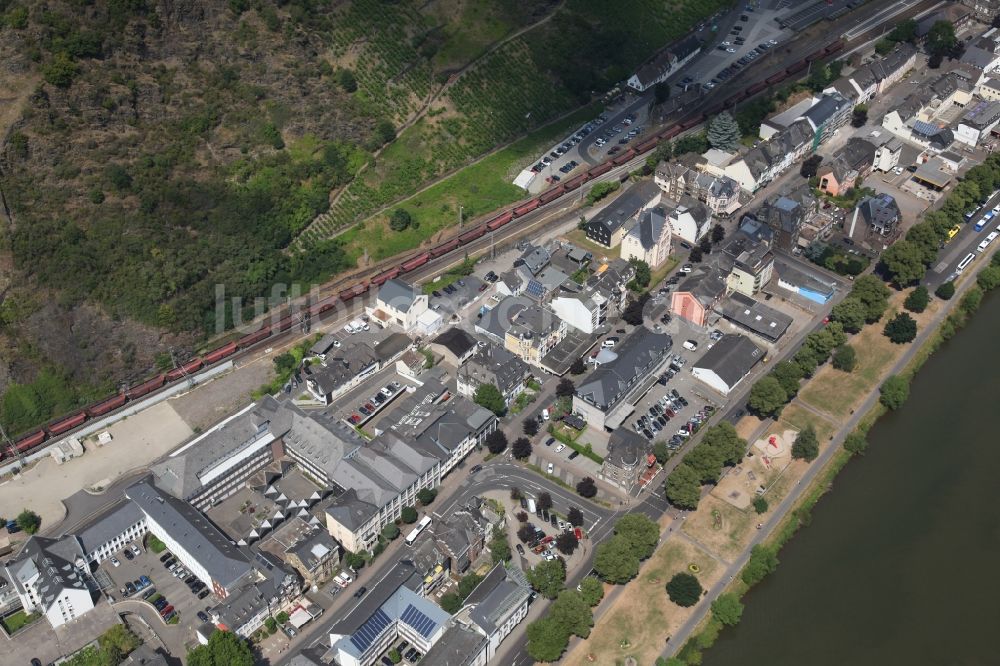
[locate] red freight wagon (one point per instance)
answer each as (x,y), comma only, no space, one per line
(416,262)
(107,405)
(149,385)
(68,423)
(185,369)
(524,209)
(500,220)
(220,353)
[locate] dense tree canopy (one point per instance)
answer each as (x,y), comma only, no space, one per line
(901,329)
(615,561)
(684,589)
(727,609)
(894,392)
(806,446)
(767,396)
(490,397)
(683,487)
(547,577)
(224,649)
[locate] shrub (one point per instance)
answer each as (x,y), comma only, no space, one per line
(901,329)
(845,358)
(408,515)
(586,487)
(945,291)
(760,505)
(917,300)
(894,392)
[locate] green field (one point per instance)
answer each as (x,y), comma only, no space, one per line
(480,189)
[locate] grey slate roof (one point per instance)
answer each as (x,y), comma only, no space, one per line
(179,473)
(880,210)
(224,562)
(636,356)
(458,646)
(342,365)
(620,211)
(495,365)
(625,448)
(109,526)
(391,346)
(754,316)
(650,226)
(826,108)
(731,358)
(55,562)
(706,284)
(398,294)
(323,345)
(494,598)
(535,258)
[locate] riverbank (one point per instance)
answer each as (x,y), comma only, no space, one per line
(950,316)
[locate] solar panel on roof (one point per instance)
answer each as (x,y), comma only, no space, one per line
(370,630)
(422,624)
(535,288)
(925,128)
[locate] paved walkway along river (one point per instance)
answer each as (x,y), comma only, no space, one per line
(897,566)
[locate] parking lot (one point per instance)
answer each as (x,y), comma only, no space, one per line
(162,584)
(456,297)
(361,398)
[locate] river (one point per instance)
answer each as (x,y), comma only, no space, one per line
(899,563)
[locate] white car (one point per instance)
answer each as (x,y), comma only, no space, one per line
(560,448)
(686,268)
(115,561)
(551,467)
(898,171)
(731,50)
(135,549)
(726,44)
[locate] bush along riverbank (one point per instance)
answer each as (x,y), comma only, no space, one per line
(727,609)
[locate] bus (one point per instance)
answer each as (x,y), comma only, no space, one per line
(989,239)
(962,265)
(983,221)
(421,526)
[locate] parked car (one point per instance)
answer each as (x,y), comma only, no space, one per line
(361,592)
(203,594)
(128,554)
(135,549)
(165,557)
(115,561)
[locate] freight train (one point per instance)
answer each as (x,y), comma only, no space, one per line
(30,441)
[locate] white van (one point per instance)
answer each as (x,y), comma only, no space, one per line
(690,345)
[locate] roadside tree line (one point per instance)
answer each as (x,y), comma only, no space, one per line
(719,446)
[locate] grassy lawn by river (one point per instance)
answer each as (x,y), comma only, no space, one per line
(643,615)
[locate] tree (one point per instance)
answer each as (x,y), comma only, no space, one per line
(390,531)
(788,375)
(572,613)
(845,358)
(941,40)
(496,442)
(901,329)
(904,263)
(859,116)
(565,388)
(345,78)
(60,71)
(661,452)
(546,640)
(810,166)
(451,603)
(574,517)
(615,562)
(28,521)
(500,548)
(586,487)
(632,314)
(661,92)
(489,397)
(547,578)
(706,461)
(806,446)
(691,143)
(727,609)
(683,487)
(468,584)
(684,590)
(384,132)
(763,561)
(718,233)
(989,278)
(641,533)
(642,274)
(873,293)
(905,31)
(544,501)
(271,624)
(426,496)
(855,443)
(394,656)
(566,543)
(579,367)
(767,397)
(807,360)
(408,515)
(355,561)
(760,505)
(592,590)
(705,245)
(515,493)
(530,427)
(224,649)
(724,132)
(521,448)
(894,392)
(400,219)
(850,312)
(281,617)
(525,533)
(695,256)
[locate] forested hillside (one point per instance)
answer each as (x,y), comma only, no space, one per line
(153,149)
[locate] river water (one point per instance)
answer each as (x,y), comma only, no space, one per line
(899,565)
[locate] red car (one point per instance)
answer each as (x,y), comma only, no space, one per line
(166,610)
(355,419)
